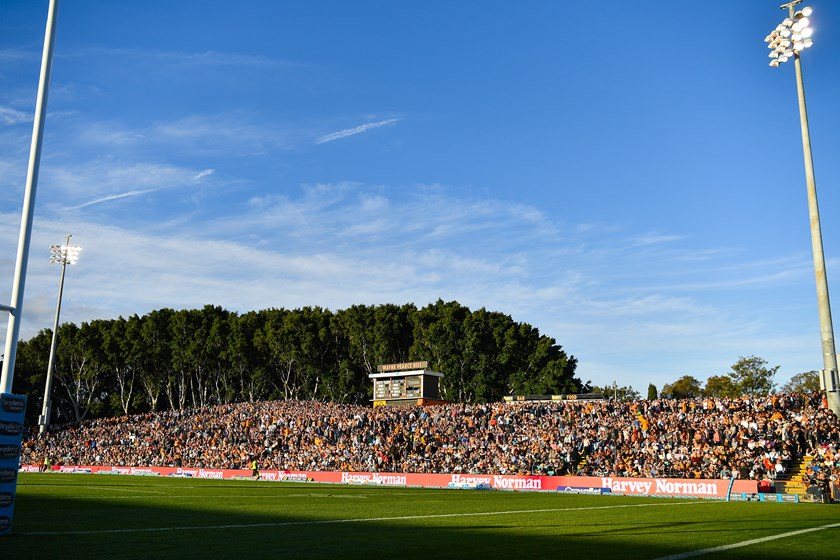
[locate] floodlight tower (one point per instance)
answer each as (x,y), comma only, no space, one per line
(787,41)
(63,255)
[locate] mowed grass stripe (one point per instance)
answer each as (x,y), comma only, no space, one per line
(751,542)
(362,520)
(79,516)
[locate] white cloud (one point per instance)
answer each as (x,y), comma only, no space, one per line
(9,116)
(111,197)
(193,135)
(353,131)
(183,58)
(102,179)
(336,245)
(202,174)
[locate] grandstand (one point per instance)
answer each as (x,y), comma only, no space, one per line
(766,440)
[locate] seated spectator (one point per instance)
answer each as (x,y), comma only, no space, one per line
(750,437)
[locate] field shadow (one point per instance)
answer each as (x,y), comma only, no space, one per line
(47,526)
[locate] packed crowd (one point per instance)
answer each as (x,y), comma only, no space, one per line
(749,437)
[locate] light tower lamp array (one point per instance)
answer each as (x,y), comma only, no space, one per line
(64,254)
(790,37)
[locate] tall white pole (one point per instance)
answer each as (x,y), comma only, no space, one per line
(16,310)
(44,420)
(829,374)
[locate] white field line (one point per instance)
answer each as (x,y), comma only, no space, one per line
(693,553)
(359,520)
(117,489)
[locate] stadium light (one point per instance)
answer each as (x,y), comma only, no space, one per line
(787,41)
(63,255)
(790,37)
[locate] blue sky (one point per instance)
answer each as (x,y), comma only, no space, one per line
(627,178)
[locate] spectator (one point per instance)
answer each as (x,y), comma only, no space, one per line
(754,437)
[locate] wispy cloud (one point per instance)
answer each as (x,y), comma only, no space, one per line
(9,116)
(182,58)
(98,179)
(229,134)
(647,239)
(202,174)
(108,198)
(202,135)
(14,55)
(353,131)
(322,242)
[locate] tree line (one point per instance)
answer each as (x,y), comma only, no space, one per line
(173,360)
(750,375)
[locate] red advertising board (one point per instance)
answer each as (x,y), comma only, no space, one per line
(680,487)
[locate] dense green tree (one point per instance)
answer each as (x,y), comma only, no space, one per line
(720,386)
(805,382)
(543,367)
(317,348)
(79,367)
(247,379)
(154,350)
(199,340)
(356,325)
(752,376)
(200,357)
(686,387)
(652,393)
(392,332)
(349,382)
(485,354)
(119,364)
(31,371)
(439,339)
(276,341)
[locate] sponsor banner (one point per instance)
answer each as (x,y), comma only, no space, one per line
(10,452)
(213,474)
(469,486)
(380,479)
(11,428)
(292,477)
(783,498)
(501,482)
(746,497)
(683,488)
(12,410)
(12,406)
(69,469)
(135,471)
(6,499)
(7,476)
(678,487)
(582,490)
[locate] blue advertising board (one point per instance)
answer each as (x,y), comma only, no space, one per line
(12,410)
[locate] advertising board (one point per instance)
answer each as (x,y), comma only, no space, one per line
(12,409)
(682,488)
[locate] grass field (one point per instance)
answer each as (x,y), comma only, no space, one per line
(96,516)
